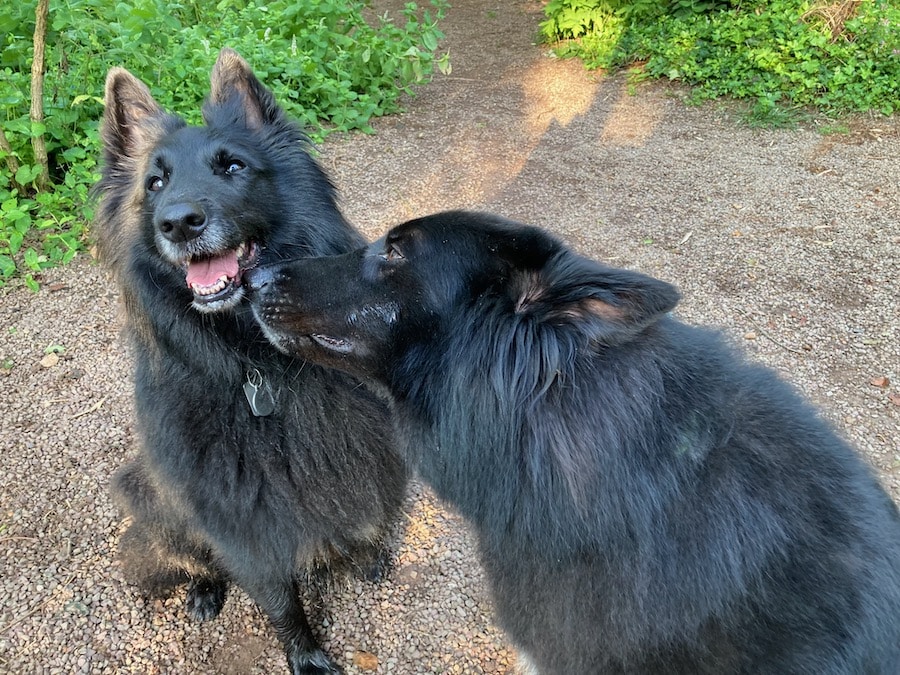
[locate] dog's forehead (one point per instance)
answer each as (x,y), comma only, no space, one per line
(434,237)
(188,143)
(197,146)
(407,232)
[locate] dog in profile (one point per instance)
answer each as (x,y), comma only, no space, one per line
(646,501)
(254,467)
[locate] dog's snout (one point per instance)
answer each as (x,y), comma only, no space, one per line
(181,222)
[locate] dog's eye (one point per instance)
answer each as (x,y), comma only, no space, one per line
(155,183)
(392,253)
(233,166)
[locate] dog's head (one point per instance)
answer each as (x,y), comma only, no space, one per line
(452,281)
(206,200)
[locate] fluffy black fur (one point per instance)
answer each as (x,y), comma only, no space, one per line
(219,493)
(646,501)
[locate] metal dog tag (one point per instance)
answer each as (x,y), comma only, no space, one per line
(258,394)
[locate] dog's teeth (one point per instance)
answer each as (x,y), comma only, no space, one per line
(200,289)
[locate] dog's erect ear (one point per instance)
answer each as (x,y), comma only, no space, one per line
(232,83)
(606,304)
(132,120)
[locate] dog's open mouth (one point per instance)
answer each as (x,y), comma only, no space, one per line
(213,279)
(332,344)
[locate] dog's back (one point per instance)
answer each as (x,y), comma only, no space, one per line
(723,528)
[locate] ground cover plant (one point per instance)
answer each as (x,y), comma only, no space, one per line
(838,56)
(334,64)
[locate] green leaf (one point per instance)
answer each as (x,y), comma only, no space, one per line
(7,266)
(32,259)
(27,173)
(15,241)
(81,98)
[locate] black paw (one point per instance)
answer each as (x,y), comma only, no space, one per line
(312,663)
(205,598)
(380,568)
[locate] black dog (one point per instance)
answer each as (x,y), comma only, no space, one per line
(646,501)
(254,465)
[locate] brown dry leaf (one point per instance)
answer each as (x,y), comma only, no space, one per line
(881,381)
(365,661)
(50,360)
(894,398)
(750,336)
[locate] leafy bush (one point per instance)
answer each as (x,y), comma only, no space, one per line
(836,56)
(332,63)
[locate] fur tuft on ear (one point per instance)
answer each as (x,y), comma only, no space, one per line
(235,89)
(606,304)
(132,119)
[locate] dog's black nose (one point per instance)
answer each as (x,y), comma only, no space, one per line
(257,278)
(181,222)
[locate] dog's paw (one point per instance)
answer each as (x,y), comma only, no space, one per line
(313,663)
(379,568)
(205,598)
(378,571)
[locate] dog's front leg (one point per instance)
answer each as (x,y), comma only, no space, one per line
(280,601)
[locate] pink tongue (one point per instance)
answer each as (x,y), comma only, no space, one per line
(207,272)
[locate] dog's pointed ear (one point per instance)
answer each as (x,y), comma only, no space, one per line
(607,305)
(232,83)
(132,119)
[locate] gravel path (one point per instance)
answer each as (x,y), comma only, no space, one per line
(789,240)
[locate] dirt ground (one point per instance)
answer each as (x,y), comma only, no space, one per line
(788,240)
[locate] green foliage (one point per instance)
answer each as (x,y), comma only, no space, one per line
(333,64)
(779,54)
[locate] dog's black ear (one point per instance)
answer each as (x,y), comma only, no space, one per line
(132,120)
(233,86)
(606,304)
